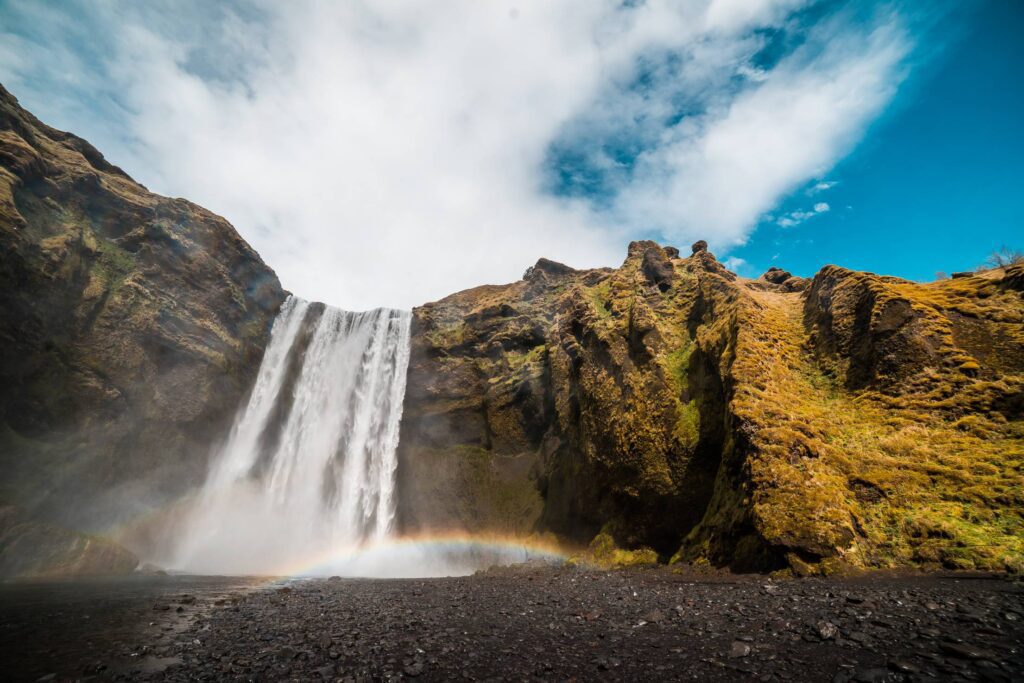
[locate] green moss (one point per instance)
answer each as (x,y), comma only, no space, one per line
(448,336)
(677,366)
(687,426)
(600,296)
(113,264)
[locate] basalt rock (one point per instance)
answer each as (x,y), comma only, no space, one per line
(784,279)
(130,327)
(776,275)
(657,267)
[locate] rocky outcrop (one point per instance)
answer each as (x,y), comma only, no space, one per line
(784,279)
(130,327)
(37,550)
(669,404)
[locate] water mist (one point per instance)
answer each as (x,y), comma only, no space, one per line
(309,466)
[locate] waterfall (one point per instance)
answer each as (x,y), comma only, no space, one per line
(310,462)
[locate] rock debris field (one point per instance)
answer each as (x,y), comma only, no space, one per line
(519,624)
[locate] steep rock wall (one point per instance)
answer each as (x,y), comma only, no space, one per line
(130,327)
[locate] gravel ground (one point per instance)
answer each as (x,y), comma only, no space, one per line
(519,624)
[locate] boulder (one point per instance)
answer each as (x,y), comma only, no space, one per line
(657,268)
(776,275)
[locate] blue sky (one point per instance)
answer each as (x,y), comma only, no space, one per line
(937,184)
(389,153)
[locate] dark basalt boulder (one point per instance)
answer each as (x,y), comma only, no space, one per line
(699,245)
(658,268)
(776,275)
(547,267)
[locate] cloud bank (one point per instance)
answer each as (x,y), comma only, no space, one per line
(391,152)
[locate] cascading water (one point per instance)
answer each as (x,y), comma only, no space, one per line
(310,463)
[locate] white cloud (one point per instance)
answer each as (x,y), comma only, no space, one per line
(389,153)
(735,263)
(794,218)
(822,186)
(717,175)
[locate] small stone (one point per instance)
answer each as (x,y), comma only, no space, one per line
(654,616)
(871,676)
(965,651)
(739,649)
(827,630)
(903,666)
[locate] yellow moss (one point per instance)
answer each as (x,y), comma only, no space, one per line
(603,552)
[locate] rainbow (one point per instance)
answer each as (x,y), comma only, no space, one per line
(426,555)
(422,555)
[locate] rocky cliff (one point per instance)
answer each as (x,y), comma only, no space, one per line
(130,327)
(850,420)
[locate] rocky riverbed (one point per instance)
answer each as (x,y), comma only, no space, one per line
(519,624)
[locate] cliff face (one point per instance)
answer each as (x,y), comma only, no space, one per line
(850,420)
(130,327)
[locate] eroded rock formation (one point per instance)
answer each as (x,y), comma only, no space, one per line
(868,421)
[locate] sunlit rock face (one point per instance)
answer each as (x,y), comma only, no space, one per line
(847,420)
(131,326)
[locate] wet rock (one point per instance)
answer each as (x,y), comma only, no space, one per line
(739,649)
(903,666)
(654,616)
(522,624)
(827,630)
(965,651)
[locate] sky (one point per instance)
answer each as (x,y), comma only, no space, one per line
(388,153)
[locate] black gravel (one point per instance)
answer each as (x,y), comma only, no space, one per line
(519,624)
